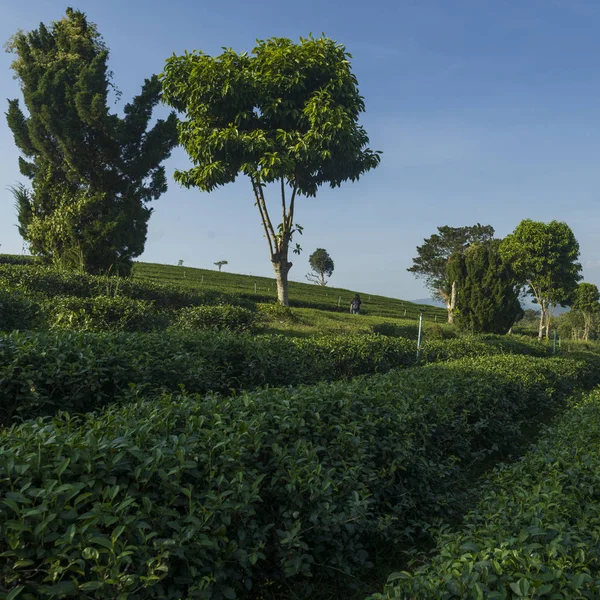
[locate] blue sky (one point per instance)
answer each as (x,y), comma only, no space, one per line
(486,111)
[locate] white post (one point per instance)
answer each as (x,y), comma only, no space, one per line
(420,329)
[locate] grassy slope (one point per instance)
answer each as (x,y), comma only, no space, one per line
(324,298)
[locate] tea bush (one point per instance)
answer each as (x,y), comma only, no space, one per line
(215,318)
(16,259)
(103,313)
(535,533)
(44,372)
(431,331)
(209,497)
(17,311)
(34,280)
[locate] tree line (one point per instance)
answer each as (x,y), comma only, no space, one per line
(285,115)
(481,279)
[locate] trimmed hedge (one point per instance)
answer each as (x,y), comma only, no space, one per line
(191,497)
(43,373)
(215,318)
(37,280)
(103,313)
(17,311)
(16,259)
(535,534)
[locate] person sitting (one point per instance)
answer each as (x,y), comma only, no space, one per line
(355,305)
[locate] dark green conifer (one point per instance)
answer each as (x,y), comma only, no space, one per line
(92,171)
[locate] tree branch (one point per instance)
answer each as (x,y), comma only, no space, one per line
(283,211)
(265,213)
(291,212)
(255,188)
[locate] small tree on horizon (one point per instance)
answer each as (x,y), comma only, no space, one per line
(285,115)
(220,263)
(322,266)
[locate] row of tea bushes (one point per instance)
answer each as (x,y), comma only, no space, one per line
(43,373)
(211,497)
(44,282)
(19,311)
(535,533)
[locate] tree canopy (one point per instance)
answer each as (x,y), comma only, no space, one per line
(487,290)
(92,172)
(322,266)
(285,114)
(432,261)
(544,258)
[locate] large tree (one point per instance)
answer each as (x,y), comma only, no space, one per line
(487,290)
(322,266)
(586,300)
(434,255)
(286,114)
(92,172)
(544,257)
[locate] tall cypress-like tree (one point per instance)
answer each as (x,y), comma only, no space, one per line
(487,290)
(92,172)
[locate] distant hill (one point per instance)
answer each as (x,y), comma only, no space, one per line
(430,302)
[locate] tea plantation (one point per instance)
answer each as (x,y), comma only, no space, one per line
(183,437)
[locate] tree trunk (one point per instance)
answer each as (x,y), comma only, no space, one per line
(452,304)
(450,301)
(587,321)
(281,266)
(542,320)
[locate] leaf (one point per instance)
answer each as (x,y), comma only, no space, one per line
(15,592)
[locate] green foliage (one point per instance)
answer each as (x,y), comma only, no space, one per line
(433,256)
(210,497)
(16,259)
(43,373)
(322,266)
(487,292)
(534,534)
(215,318)
(285,113)
(544,257)
(92,171)
(35,280)
(103,313)
(17,311)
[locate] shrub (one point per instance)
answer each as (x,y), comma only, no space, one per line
(215,318)
(16,259)
(103,313)
(33,279)
(43,373)
(276,311)
(410,330)
(209,497)
(535,533)
(17,311)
